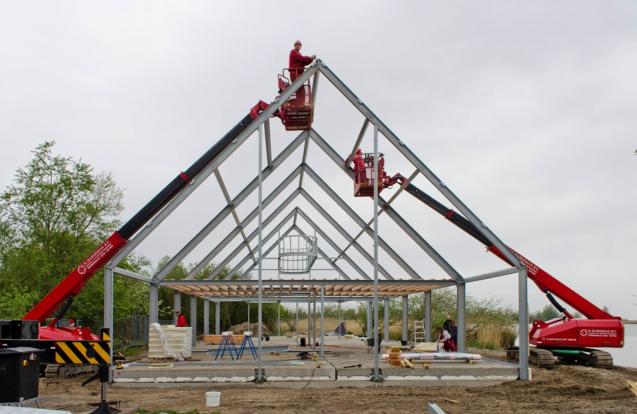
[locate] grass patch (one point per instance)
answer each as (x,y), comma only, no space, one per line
(493,337)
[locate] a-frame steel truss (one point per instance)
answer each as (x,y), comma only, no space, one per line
(303,171)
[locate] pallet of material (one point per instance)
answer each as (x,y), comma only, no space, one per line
(178,342)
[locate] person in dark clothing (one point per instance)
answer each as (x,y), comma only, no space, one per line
(296,66)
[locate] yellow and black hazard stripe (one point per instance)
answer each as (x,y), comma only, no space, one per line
(82,352)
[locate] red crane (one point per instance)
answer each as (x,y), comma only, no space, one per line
(58,300)
(568,338)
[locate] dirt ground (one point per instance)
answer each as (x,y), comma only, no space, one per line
(566,389)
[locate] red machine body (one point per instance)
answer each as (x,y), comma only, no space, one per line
(600,329)
(364,174)
(58,300)
(297,112)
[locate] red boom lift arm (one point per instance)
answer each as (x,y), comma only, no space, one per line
(61,297)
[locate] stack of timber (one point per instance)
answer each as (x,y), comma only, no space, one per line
(394,356)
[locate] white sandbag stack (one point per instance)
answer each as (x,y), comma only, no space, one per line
(169,341)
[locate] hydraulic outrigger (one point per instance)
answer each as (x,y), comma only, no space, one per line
(567,338)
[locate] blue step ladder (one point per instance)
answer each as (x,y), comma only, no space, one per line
(227,344)
(247,341)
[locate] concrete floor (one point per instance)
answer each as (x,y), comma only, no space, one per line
(344,362)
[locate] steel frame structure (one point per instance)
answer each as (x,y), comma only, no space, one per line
(303,170)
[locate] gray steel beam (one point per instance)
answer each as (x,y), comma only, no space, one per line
(193,318)
(132,275)
(323,254)
(153,303)
(253,214)
(461,307)
(523,325)
(361,134)
(206,317)
(405,318)
(212,224)
(233,210)
(407,153)
(285,299)
(219,268)
(268,142)
(315,82)
(420,241)
(375,330)
(305,148)
(386,325)
(331,242)
(497,273)
(370,323)
(437,283)
(427,318)
(205,173)
(176,306)
(218,318)
(345,235)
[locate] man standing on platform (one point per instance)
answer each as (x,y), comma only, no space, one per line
(297,65)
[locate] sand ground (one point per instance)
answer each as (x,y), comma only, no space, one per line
(565,389)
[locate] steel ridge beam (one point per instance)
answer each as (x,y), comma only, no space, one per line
(402,223)
(421,166)
(184,193)
(243,194)
(132,275)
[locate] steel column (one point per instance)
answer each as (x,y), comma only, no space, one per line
(322,319)
(259,377)
(370,320)
(523,325)
(386,327)
(193,318)
(218,318)
(375,335)
(206,317)
(460,310)
(427,318)
(278,318)
(176,306)
(405,319)
(153,303)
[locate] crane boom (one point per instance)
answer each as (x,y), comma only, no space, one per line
(546,282)
(58,300)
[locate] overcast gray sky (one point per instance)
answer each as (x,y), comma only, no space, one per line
(525,109)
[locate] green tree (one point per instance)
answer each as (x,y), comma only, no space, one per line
(54,214)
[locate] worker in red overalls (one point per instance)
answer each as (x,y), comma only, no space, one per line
(297,65)
(181,320)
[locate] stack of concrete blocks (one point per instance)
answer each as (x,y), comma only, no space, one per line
(177,342)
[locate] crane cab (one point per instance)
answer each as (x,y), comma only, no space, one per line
(297,112)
